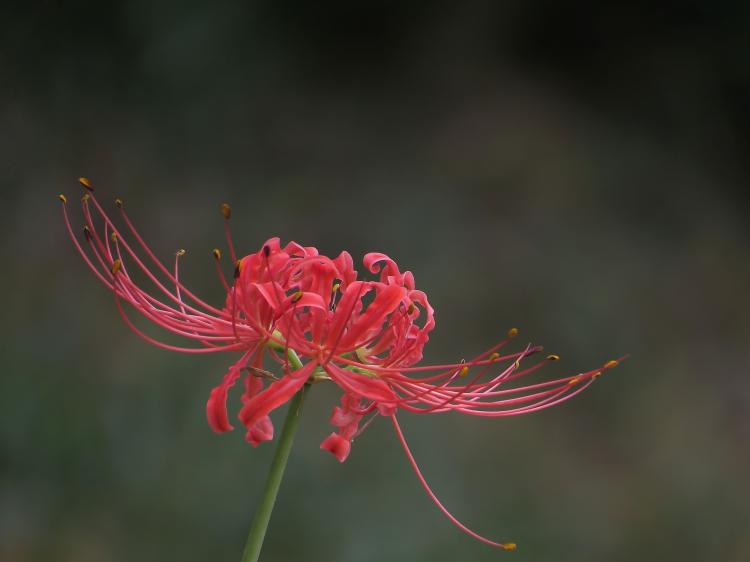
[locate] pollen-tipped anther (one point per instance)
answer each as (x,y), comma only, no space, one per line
(494,357)
(336,287)
(85,198)
(610,364)
(297,296)
(509,546)
(575,380)
(463,372)
(181,252)
(513,332)
(237,268)
(553,357)
(116,265)
(118,202)
(226,210)
(85,182)
(62,198)
(113,237)
(217,253)
(87,232)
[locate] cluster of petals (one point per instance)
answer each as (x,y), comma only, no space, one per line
(319,321)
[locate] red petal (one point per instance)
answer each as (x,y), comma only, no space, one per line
(260,432)
(370,322)
(216,407)
(337,446)
(275,395)
(361,385)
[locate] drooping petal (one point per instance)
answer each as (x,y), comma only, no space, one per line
(260,432)
(337,446)
(277,393)
(216,407)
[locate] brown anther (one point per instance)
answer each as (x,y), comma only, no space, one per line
(116,265)
(513,332)
(463,372)
(180,252)
(87,232)
(262,373)
(610,364)
(336,287)
(113,237)
(237,268)
(85,182)
(297,296)
(266,251)
(226,210)
(217,253)
(62,198)
(495,356)
(411,308)
(553,357)
(118,202)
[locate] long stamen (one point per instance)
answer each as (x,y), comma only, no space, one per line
(177,257)
(463,389)
(237,269)
(233,347)
(452,395)
(226,212)
(211,309)
(217,258)
(195,322)
(134,293)
(565,389)
(77,244)
(433,497)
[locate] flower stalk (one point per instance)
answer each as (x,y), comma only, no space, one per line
(276,472)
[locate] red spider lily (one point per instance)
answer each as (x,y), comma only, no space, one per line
(313,316)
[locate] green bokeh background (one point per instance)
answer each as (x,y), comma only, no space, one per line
(579,172)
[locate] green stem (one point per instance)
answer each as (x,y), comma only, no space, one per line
(276,472)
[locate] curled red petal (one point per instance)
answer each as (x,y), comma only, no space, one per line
(337,446)
(216,407)
(382,264)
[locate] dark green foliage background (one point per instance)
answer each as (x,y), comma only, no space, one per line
(578,172)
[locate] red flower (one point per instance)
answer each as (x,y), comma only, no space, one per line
(313,316)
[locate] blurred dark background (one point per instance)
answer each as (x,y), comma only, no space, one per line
(580,172)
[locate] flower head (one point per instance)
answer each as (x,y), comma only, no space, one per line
(319,321)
